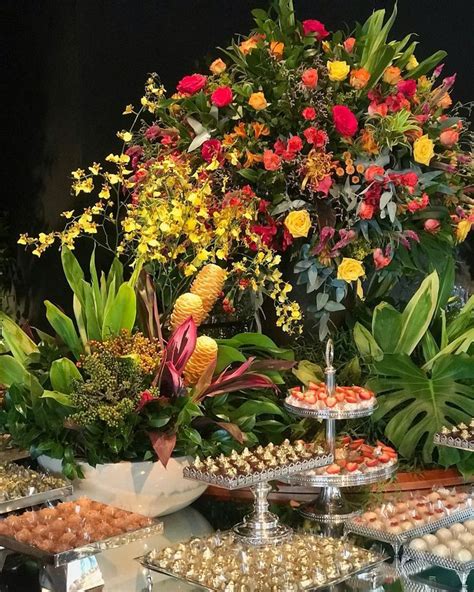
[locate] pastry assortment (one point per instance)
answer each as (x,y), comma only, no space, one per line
(345,398)
(221,562)
(256,461)
(400,515)
(17,481)
(455,542)
(461,435)
(356,457)
(70,525)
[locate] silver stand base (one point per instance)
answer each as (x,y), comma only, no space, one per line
(329,508)
(262,527)
(77,576)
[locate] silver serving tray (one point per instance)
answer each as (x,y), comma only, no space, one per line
(255,477)
(450,442)
(35,499)
(64,557)
(444,562)
(381,474)
(397,540)
(147,562)
(330,413)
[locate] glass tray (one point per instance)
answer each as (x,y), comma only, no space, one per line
(444,562)
(331,413)
(64,557)
(353,480)
(35,499)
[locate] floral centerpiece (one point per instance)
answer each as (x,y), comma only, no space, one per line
(341,154)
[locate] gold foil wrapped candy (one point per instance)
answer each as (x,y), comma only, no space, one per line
(17,481)
(204,354)
(208,285)
(187,305)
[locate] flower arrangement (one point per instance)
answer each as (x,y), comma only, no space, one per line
(340,153)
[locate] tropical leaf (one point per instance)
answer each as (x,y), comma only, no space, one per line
(12,371)
(122,313)
(18,342)
(366,344)
(226,355)
(60,398)
(63,373)
(73,272)
(64,327)
(416,404)
(386,326)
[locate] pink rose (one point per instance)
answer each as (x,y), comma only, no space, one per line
(449,137)
(345,121)
(190,85)
(407,87)
(271,161)
(316,27)
(366,211)
(310,78)
(324,185)
(432,226)
(316,137)
(309,113)
(212,149)
(349,44)
(222,96)
(295,144)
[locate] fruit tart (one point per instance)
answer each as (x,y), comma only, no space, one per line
(345,398)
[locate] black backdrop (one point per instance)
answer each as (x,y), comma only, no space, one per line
(72,65)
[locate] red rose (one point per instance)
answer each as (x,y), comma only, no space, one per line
(222,96)
(271,161)
(308,113)
(366,211)
(316,27)
(190,85)
(295,144)
(407,87)
(410,179)
(211,149)
(279,146)
(316,137)
(345,121)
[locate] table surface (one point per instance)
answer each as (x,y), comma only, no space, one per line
(122,573)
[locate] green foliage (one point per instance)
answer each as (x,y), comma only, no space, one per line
(422,367)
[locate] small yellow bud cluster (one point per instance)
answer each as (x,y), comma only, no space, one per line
(204,353)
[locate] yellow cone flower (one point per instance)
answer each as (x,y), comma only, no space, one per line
(187,305)
(204,353)
(208,285)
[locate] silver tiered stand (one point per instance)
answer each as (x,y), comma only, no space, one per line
(330,507)
(261,527)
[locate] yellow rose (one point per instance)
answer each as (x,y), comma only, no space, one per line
(258,101)
(218,66)
(338,70)
(423,150)
(412,63)
(298,223)
(462,230)
(350,270)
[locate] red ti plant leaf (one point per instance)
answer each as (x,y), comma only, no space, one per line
(171,382)
(249,381)
(233,430)
(181,345)
(163,445)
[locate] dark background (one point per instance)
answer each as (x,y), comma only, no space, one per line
(70,66)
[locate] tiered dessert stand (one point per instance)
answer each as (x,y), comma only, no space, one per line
(261,527)
(331,508)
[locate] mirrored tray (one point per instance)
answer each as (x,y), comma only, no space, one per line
(35,499)
(397,540)
(284,551)
(331,413)
(450,442)
(381,474)
(226,482)
(444,562)
(58,559)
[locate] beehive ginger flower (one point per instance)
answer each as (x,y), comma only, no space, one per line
(204,354)
(208,285)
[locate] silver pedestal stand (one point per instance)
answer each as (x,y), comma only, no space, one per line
(261,527)
(331,508)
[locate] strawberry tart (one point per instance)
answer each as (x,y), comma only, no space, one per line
(344,399)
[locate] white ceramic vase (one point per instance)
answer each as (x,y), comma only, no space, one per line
(144,487)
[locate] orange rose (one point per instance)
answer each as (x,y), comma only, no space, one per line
(258,101)
(373,171)
(249,44)
(445,101)
(276,49)
(218,66)
(392,75)
(310,78)
(359,78)
(449,137)
(349,44)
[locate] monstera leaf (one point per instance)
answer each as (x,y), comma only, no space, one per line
(417,404)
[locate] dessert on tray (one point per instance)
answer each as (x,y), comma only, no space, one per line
(355,456)
(460,435)
(345,398)
(404,513)
(17,482)
(70,525)
(455,542)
